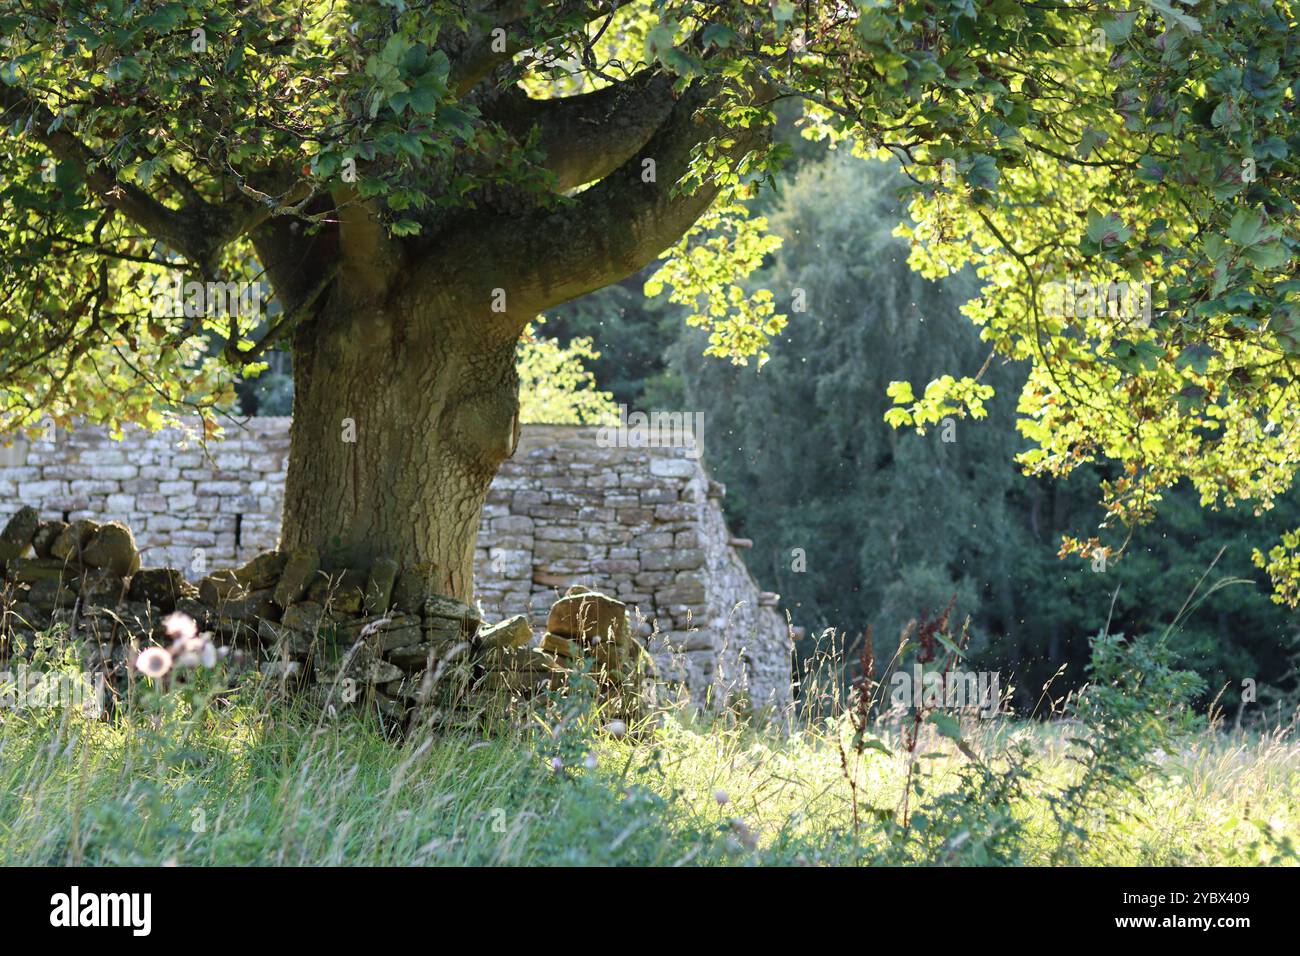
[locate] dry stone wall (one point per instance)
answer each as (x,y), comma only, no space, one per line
(641,524)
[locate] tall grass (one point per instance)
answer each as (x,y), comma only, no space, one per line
(201,775)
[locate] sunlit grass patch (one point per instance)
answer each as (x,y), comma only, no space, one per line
(215,777)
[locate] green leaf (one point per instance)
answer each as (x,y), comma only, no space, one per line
(982,172)
(124,68)
(1196,357)
(1108,229)
(1225,114)
(165,19)
(900,392)
(1134,357)
(1174,17)
(1092,139)
(863,741)
(1247,227)
(720,35)
(947,725)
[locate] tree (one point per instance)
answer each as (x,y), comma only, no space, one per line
(557,387)
(887,524)
(417,182)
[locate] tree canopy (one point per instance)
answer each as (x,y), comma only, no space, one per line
(857,524)
(1122,179)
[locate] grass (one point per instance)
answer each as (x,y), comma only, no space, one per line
(257,783)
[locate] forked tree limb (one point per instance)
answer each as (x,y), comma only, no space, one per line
(543,257)
(588,136)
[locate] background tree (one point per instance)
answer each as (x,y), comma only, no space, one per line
(417,183)
(889,524)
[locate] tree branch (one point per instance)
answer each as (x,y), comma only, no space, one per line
(185,233)
(480,52)
(369,259)
(544,257)
(294,258)
(588,136)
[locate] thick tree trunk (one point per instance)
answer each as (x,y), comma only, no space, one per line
(402,416)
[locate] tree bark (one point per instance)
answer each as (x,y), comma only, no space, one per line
(402,415)
(406,398)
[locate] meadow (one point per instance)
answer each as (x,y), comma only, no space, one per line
(200,775)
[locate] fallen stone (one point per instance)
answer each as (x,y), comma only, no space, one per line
(518,660)
(101,624)
(46,534)
(512,632)
(219,587)
(522,684)
(299,570)
(349,601)
(400,688)
(103,588)
(73,538)
(112,548)
(304,616)
(18,532)
(444,630)
(561,647)
(381,672)
(263,571)
(413,656)
(310,616)
(284,641)
(161,587)
(411,587)
(358,666)
(424,654)
(590,617)
(23,615)
(30,570)
(49,595)
(379,589)
(342,592)
(236,630)
(192,606)
(294,642)
(247,606)
(447,681)
(388,706)
(627,666)
(385,633)
(437,605)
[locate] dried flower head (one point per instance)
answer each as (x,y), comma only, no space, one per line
(153,662)
(194,650)
(179,626)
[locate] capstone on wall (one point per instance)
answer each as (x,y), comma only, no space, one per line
(642,524)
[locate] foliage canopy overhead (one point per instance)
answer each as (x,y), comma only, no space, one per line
(328,147)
